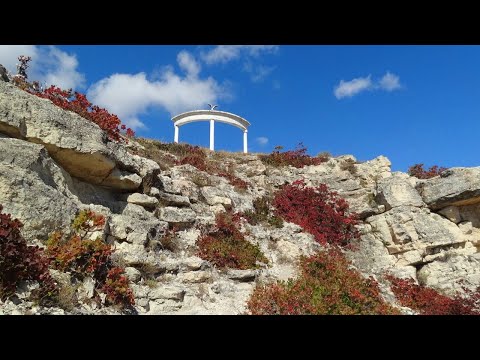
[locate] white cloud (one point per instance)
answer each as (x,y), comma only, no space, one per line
(352,87)
(226,53)
(258,73)
(262,141)
(188,63)
(389,82)
(129,95)
(49,64)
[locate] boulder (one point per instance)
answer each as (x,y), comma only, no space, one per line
(396,191)
(34,189)
(455,186)
(3,74)
(451,272)
(175,215)
(142,200)
(214,196)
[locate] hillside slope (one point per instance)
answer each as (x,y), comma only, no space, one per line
(53,163)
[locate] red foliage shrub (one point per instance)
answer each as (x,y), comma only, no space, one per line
(195,160)
(297,158)
(428,301)
(84,257)
(117,289)
(419,172)
(225,245)
(19,261)
(318,210)
(78,103)
(327,285)
(80,257)
(235,181)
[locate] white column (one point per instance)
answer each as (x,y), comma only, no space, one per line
(245,145)
(175,139)
(212,134)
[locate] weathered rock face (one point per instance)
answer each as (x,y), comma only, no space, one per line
(3,74)
(397,190)
(54,163)
(34,188)
(79,146)
(456,186)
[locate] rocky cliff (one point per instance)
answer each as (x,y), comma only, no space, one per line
(54,163)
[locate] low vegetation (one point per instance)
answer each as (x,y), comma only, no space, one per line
(419,172)
(20,261)
(76,255)
(319,211)
(428,301)
(261,213)
(172,154)
(327,285)
(81,257)
(225,246)
(297,158)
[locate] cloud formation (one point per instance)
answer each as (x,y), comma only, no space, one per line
(130,95)
(262,141)
(258,73)
(352,87)
(225,53)
(49,65)
(388,82)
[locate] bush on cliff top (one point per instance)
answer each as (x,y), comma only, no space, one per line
(419,172)
(79,104)
(297,158)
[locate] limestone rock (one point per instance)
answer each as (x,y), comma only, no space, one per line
(133,274)
(75,143)
(214,196)
(455,186)
(396,191)
(34,189)
(173,200)
(194,277)
(142,200)
(122,180)
(167,292)
(175,215)
(193,263)
(136,226)
(451,213)
(448,274)
(241,275)
(3,74)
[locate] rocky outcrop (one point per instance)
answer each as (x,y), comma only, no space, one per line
(34,188)
(79,146)
(3,74)
(455,187)
(54,163)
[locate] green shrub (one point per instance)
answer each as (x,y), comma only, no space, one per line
(225,245)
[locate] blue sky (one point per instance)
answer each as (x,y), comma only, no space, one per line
(410,103)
